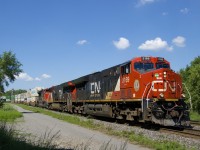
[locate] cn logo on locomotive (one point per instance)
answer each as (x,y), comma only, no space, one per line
(95,87)
(173,88)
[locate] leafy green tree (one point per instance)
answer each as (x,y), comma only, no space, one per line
(194,85)
(9,69)
(191,77)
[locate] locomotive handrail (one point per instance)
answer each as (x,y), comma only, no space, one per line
(148,96)
(180,88)
(190,99)
(143,95)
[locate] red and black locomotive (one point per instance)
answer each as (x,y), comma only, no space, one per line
(142,89)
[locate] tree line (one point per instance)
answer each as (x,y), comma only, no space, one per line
(10,67)
(191,78)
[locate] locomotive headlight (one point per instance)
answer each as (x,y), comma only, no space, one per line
(165,74)
(161,95)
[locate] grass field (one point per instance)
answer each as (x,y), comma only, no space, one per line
(8,113)
(130,136)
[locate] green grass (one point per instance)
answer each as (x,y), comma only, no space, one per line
(8,113)
(194,116)
(158,145)
(130,136)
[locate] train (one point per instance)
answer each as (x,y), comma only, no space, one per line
(30,97)
(143,89)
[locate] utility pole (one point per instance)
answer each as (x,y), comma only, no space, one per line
(11,94)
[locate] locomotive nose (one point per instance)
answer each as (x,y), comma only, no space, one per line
(166,85)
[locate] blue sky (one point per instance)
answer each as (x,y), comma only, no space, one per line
(57,41)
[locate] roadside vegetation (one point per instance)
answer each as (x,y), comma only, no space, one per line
(88,123)
(191,78)
(194,116)
(8,113)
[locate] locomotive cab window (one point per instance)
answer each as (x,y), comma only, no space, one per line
(162,65)
(143,67)
(125,69)
(138,66)
(148,66)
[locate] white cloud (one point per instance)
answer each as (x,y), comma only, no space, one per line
(156,44)
(144,2)
(179,41)
(37,79)
(184,11)
(123,43)
(24,76)
(45,76)
(81,42)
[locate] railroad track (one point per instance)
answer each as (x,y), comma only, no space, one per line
(197,123)
(190,133)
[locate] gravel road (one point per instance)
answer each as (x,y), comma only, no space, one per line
(70,135)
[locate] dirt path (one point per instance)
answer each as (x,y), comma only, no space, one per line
(70,135)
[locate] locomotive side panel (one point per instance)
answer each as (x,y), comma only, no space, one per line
(110,83)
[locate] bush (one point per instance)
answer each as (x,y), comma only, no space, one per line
(1,103)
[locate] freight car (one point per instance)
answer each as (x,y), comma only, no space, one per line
(143,89)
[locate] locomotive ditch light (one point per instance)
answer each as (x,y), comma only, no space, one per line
(161,95)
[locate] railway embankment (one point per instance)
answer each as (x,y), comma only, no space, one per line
(133,134)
